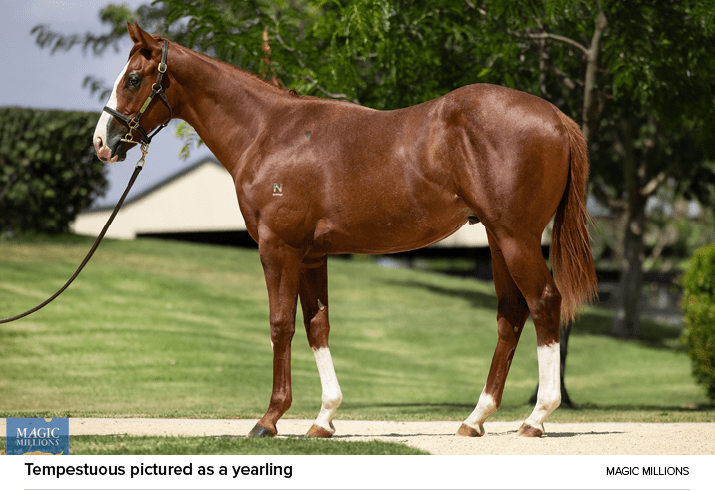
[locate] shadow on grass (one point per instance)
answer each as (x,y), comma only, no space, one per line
(48,239)
(595,322)
(653,335)
(593,407)
(410,411)
(427,407)
(587,412)
(476,299)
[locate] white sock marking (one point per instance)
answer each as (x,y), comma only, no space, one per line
(549,396)
(332,396)
(485,407)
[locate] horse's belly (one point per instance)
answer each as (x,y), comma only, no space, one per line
(389,231)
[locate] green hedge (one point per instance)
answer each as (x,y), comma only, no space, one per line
(48,169)
(699,310)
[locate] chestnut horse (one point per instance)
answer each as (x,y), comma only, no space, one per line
(316,177)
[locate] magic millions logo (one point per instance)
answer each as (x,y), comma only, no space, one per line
(38,436)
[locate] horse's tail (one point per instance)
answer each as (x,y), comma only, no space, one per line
(571,257)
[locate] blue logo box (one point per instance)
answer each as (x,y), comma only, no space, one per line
(38,436)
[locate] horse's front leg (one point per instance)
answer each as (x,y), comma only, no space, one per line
(313,293)
(281,266)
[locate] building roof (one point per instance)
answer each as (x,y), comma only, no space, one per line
(199,198)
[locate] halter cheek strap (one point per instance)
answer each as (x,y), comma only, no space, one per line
(156,90)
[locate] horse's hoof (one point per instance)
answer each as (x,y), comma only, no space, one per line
(528,431)
(469,431)
(260,431)
(318,431)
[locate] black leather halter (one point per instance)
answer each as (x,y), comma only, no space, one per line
(156,90)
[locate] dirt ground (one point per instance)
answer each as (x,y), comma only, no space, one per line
(440,438)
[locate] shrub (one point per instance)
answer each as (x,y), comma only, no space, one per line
(699,310)
(48,170)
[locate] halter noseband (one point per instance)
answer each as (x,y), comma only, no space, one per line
(156,90)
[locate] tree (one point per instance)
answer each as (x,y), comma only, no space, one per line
(636,74)
(639,76)
(48,170)
(645,109)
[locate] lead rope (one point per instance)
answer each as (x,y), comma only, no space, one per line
(137,170)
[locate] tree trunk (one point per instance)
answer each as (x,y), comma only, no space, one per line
(626,324)
(589,120)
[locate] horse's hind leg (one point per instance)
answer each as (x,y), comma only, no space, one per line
(512,312)
(528,269)
(313,293)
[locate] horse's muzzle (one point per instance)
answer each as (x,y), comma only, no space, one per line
(107,153)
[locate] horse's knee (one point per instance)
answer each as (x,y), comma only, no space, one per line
(282,329)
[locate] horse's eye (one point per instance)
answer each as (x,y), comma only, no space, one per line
(133,81)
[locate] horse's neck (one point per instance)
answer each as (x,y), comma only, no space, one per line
(225,106)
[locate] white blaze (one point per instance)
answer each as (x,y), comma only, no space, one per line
(100,132)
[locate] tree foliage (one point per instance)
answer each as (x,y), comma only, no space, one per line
(48,170)
(699,308)
(637,75)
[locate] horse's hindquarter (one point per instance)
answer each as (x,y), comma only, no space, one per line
(517,157)
(345,179)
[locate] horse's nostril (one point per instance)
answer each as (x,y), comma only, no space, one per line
(101,150)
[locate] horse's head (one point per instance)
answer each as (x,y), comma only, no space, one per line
(132,111)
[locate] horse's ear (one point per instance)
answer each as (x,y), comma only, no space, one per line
(132,32)
(141,37)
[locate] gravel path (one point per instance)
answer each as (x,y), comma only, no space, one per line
(439,437)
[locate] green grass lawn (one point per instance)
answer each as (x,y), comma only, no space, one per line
(164,329)
(150,445)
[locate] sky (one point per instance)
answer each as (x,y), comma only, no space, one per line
(32,77)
